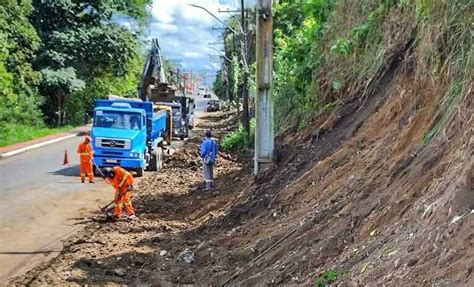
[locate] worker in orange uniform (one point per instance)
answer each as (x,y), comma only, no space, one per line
(85,153)
(122,181)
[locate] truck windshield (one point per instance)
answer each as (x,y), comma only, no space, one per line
(117,120)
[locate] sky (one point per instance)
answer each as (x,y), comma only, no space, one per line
(185,32)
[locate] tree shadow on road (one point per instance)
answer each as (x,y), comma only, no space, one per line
(67,171)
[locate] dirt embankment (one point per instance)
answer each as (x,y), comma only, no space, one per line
(357,195)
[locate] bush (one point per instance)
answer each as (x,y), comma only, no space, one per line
(326,279)
(236,140)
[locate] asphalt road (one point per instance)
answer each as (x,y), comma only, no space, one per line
(35,168)
(38,198)
(43,201)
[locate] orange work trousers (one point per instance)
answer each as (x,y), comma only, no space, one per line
(86,168)
(125,199)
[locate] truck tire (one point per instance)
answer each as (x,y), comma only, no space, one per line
(152,164)
(159,159)
(187,131)
(140,171)
(156,161)
(95,170)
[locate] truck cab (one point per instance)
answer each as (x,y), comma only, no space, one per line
(128,134)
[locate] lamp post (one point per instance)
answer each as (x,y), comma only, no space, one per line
(215,17)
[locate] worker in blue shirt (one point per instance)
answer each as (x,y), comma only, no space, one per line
(208,156)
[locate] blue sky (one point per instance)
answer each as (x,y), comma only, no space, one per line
(185,32)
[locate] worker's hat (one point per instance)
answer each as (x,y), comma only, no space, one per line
(108,172)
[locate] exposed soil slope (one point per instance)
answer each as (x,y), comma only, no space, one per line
(358,194)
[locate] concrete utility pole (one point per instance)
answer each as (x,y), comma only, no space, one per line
(264,135)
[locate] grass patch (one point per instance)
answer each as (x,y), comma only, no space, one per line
(448,106)
(326,278)
(236,140)
(17,133)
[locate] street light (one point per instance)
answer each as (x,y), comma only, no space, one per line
(215,17)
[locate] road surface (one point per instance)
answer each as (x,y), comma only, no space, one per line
(38,196)
(42,202)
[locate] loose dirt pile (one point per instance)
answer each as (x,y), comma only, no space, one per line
(357,196)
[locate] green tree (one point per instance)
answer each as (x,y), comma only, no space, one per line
(83,37)
(19,100)
(218,86)
(60,84)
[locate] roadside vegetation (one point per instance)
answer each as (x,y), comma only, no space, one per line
(14,133)
(57,57)
(236,140)
(329,53)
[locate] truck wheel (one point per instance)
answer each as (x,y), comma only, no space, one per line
(152,164)
(181,138)
(156,161)
(140,171)
(187,132)
(159,159)
(95,170)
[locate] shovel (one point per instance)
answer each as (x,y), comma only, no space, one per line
(103,208)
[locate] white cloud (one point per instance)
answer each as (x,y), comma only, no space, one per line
(192,55)
(165,27)
(184,32)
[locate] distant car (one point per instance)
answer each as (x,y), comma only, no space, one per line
(201,91)
(207,96)
(213,106)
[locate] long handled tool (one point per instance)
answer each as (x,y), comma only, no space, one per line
(102,209)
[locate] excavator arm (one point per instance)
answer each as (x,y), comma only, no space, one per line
(153,71)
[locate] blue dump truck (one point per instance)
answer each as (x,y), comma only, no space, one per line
(130,134)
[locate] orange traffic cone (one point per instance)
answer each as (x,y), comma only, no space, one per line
(66,158)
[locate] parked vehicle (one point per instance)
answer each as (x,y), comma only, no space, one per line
(207,96)
(129,134)
(213,106)
(201,91)
(192,106)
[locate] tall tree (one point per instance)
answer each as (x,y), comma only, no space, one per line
(82,41)
(19,43)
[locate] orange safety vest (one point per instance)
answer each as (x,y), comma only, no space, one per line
(122,178)
(85,152)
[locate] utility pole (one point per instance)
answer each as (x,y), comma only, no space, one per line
(245,91)
(264,135)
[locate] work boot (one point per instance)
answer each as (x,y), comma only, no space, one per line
(91,181)
(82,180)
